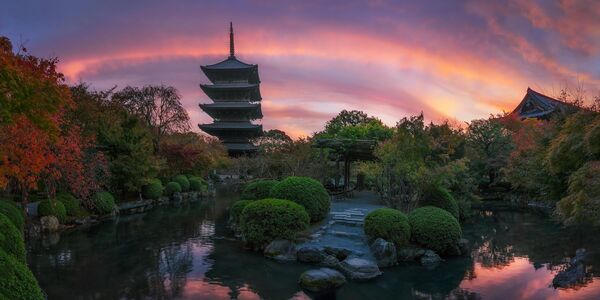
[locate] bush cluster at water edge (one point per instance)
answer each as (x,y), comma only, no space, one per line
(263,221)
(389,224)
(305,191)
(52,208)
(16,280)
(11,239)
(438,196)
(171,188)
(197,184)
(258,189)
(153,189)
(12,212)
(103,202)
(183,182)
(72,204)
(236,209)
(435,229)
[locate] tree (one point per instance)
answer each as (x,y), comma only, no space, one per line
(274,140)
(344,119)
(191,153)
(159,107)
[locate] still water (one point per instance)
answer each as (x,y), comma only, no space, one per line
(186,252)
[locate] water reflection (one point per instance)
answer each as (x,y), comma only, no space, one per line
(187,252)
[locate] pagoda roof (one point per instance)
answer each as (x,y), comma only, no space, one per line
(221,128)
(538,105)
(240,147)
(231,63)
(253,109)
(213,90)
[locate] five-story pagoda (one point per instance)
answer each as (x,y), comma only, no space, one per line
(236,99)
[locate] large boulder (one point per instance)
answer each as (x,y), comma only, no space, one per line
(410,253)
(281,250)
(330,261)
(359,268)
(339,253)
(321,280)
(310,254)
(49,223)
(430,259)
(384,252)
(575,273)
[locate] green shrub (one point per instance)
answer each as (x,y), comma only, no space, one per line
(197,184)
(438,196)
(171,188)
(13,213)
(153,189)
(11,239)
(305,191)
(52,208)
(266,220)
(434,228)
(235,211)
(72,204)
(389,224)
(183,182)
(16,280)
(103,202)
(258,189)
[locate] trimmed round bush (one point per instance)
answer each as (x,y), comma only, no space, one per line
(153,189)
(16,280)
(171,188)
(258,189)
(11,239)
(388,224)
(104,203)
(13,213)
(263,221)
(435,195)
(434,228)
(235,211)
(183,181)
(72,204)
(52,208)
(305,191)
(197,184)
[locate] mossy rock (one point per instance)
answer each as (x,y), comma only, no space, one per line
(434,228)
(11,239)
(13,212)
(258,189)
(183,181)
(16,280)
(52,208)
(388,224)
(305,191)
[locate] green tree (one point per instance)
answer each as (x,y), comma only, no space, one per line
(489,145)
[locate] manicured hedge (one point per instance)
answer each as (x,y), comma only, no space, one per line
(305,191)
(197,184)
(72,204)
(438,196)
(153,189)
(235,212)
(258,189)
(11,239)
(434,228)
(13,213)
(52,208)
(388,224)
(183,182)
(16,280)
(171,188)
(103,202)
(266,220)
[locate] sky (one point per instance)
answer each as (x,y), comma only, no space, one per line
(457,60)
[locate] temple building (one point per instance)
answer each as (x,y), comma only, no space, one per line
(235,92)
(540,106)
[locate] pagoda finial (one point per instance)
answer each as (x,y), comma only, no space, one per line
(231,48)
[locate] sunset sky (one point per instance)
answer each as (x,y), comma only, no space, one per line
(450,59)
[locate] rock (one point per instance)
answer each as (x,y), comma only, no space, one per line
(50,239)
(49,223)
(410,253)
(463,246)
(321,280)
(177,197)
(384,252)
(359,268)
(339,253)
(82,221)
(574,274)
(430,259)
(281,250)
(330,261)
(194,196)
(310,254)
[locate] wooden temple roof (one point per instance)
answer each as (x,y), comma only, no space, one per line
(538,105)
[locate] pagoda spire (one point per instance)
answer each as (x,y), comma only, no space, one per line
(231,48)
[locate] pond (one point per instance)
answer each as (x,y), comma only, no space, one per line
(187,252)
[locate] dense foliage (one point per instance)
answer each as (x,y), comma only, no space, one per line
(171,188)
(258,189)
(235,211)
(13,213)
(266,220)
(388,224)
(438,196)
(103,203)
(153,189)
(52,208)
(72,205)
(305,191)
(183,182)
(197,184)
(16,280)
(435,229)
(11,239)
